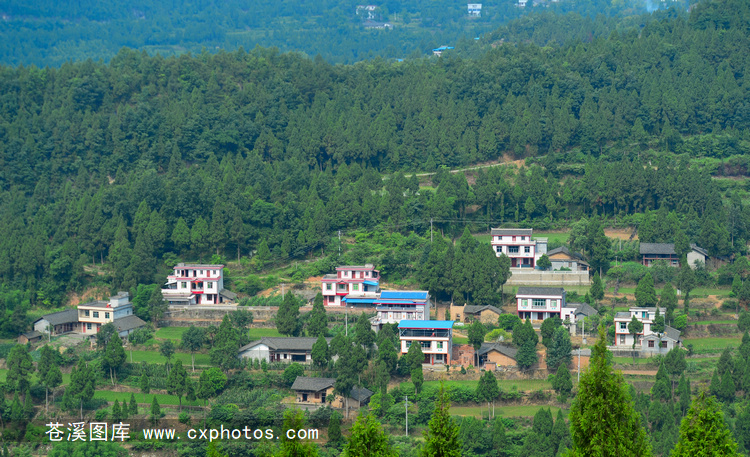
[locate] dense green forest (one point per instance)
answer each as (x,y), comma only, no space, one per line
(52,33)
(147,158)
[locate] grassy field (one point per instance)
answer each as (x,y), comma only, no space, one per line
(504,411)
(170,333)
(505,384)
(4,375)
(713,344)
(258,333)
(163,399)
(155,357)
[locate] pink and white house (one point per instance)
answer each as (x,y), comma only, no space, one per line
(197,284)
(358,281)
(539,303)
(518,245)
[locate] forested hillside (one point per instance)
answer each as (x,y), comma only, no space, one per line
(52,33)
(147,158)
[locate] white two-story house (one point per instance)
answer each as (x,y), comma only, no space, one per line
(518,245)
(394,306)
(359,281)
(622,323)
(196,284)
(539,303)
(435,338)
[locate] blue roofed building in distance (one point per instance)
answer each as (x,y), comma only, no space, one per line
(434,337)
(439,51)
(393,306)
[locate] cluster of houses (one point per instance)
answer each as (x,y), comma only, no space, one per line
(86,319)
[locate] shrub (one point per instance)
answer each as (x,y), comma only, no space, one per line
(680,322)
(184,418)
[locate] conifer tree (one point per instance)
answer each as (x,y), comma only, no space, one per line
(114,356)
(177,381)
(367,438)
(155,410)
(668,300)
(441,438)
(363,333)
(562,382)
(645,294)
(603,421)
(560,350)
(597,288)
(287,317)
(144,383)
(116,412)
(317,323)
(703,431)
(294,419)
(334,430)
(487,389)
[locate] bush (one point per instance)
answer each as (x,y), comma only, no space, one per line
(184,418)
(680,322)
(507,321)
(141,335)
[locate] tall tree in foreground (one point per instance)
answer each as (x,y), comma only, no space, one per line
(317,322)
(287,318)
(603,421)
(703,431)
(488,390)
(368,439)
(476,338)
(193,340)
(441,438)
(294,419)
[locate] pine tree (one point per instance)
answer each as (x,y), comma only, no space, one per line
(597,288)
(527,356)
(177,381)
(226,344)
(367,438)
(334,430)
(668,300)
(144,384)
(320,353)
(155,410)
(704,432)
(562,382)
(603,420)
(116,412)
(441,438)
(114,356)
(715,386)
(645,294)
(727,388)
(317,322)
(294,419)
(560,350)
(363,333)
(487,389)
(287,317)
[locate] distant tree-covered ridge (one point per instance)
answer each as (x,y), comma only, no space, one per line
(145,160)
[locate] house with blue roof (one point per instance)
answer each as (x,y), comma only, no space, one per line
(393,306)
(355,282)
(434,337)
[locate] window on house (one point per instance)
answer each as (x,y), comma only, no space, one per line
(524,303)
(514,238)
(328,287)
(86,313)
(512,249)
(426,344)
(408,344)
(539,303)
(527,249)
(331,299)
(553,304)
(651,343)
(623,326)
(644,314)
(106,315)
(88,326)
(663,344)
(183,285)
(355,287)
(440,345)
(523,238)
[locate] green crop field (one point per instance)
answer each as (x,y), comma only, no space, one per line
(155,357)
(503,411)
(524,385)
(713,344)
(163,399)
(258,333)
(552,237)
(170,333)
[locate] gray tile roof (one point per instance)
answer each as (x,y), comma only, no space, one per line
(501,348)
(566,251)
(698,249)
(281,343)
(622,314)
(32,335)
(228,294)
(359,394)
(476,309)
(657,248)
(61,317)
(672,332)
(312,384)
(96,304)
(540,291)
(128,323)
(585,309)
(511,231)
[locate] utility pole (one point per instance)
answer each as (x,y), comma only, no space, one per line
(406,408)
(282,290)
(579,365)
(430,230)
(346,321)
(339,243)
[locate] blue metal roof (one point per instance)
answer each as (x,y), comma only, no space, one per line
(425,324)
(404,295)
(359,301)
(370,282)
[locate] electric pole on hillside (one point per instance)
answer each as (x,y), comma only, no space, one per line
(339,243)
(430,230)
